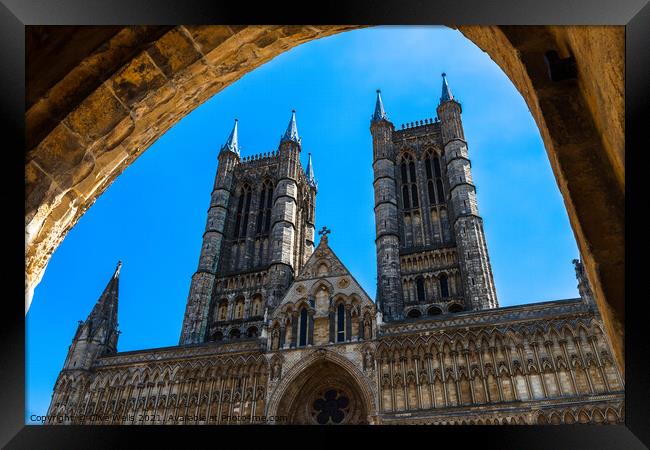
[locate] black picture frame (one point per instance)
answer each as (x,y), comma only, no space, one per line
(16,14)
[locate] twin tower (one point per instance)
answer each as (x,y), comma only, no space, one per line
(432,256)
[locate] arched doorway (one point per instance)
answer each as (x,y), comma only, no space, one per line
(323,389)
(324,394)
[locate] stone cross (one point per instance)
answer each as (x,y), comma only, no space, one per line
(324,232)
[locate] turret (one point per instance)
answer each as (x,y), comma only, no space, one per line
(97,335)
(474,261)
(284,223)
(584,288)
(198,301)
(389,286)
(310,210)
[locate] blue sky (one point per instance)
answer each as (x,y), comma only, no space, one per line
(153,216)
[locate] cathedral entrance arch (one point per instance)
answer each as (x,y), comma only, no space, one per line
(324,389)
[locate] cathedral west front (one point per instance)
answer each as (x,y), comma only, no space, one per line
(278,331)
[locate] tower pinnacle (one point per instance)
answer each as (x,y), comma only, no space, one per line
(105,310)
(232,143)
(98,334)
(311,179)
(292,130)
(446,92)
(379,114)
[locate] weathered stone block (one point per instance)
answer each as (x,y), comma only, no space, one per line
(96,115)
(137,79)
(173,52)
(208,37)
(61,153)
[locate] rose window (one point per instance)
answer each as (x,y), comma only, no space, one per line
(331,407)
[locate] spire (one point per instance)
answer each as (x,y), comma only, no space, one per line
(232,143)
(292,130)
(105,310)
(379,114)
(446,92)
(311,179)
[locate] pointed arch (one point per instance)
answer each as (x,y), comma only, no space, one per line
(323,355)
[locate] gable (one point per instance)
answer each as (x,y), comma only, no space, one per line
(322,263)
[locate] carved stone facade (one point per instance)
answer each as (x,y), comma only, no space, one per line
(276,331)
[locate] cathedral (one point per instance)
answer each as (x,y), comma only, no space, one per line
(278,331)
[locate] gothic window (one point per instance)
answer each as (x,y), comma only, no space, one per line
(444,286)
(436,166)
(340,321)
(302,335)
(441,191)
(257,306)
(409,182)
(419,283)
(264,208)
(434,177)
(405,196)
(223,310)
(243,211)
(432,195)
(239,309)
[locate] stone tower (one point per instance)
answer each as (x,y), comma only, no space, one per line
(259,233)
(389,284)
(432,255)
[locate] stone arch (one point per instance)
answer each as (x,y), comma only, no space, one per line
(321,284)
(405,152)
(323,268)
(277,400)
(86,125)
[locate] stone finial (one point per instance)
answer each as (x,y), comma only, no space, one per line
(311,179)
(446,92)
(379,114)
(584,287)
(292,130)
(232,144)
